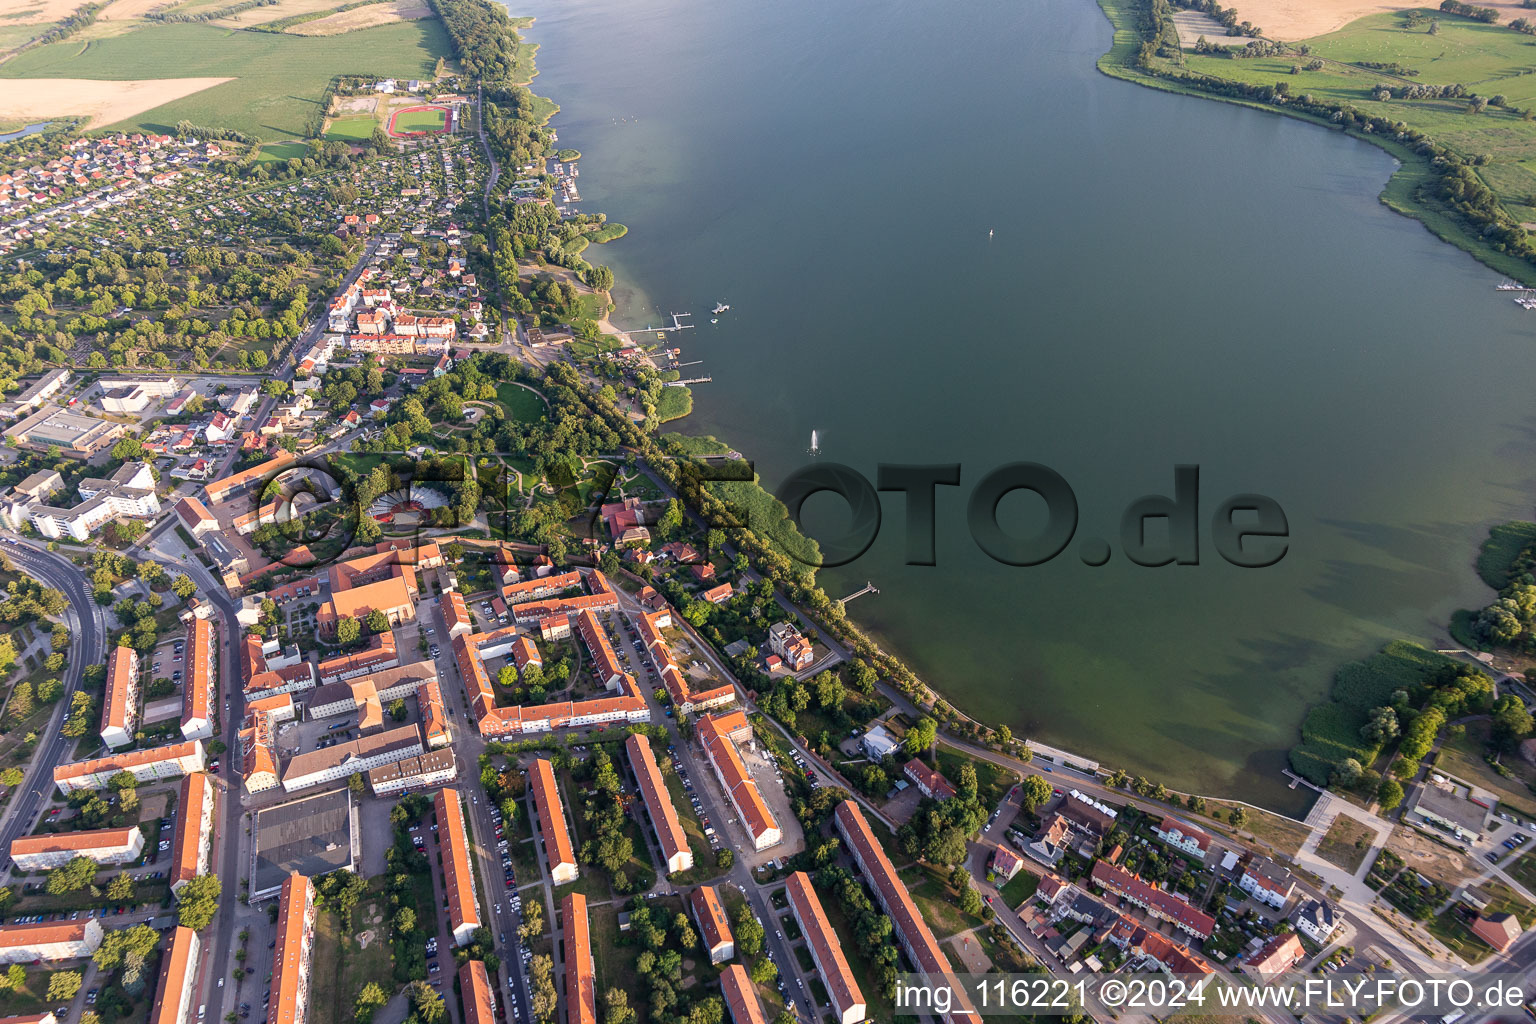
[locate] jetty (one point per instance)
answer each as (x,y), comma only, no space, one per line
(690,380)
(868,588)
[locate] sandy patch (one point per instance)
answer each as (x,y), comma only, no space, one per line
(364,17)
(101,102)
(1194,24)
(32,12)
(354,105)
(364,938)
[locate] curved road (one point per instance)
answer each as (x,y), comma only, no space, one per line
(88,635)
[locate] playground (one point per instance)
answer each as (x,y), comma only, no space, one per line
(420,120)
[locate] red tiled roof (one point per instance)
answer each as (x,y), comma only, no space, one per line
(740,996)
(178,960)
(722,753)
(197,694)
(546,798)
(475,991)
(187,845)
(290,961)
(658,800)
(458,876)
(826,947)
(714,926)
(93,839)
(120,680)
(1123,883)
(580,978)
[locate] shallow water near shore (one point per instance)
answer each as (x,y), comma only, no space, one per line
(1167,280)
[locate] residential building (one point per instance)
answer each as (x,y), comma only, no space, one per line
(670,837)
(167,762)
(1280,954)
(178,971)
(714,926)
(128,493)
(295,947)
(1159,903)
(1317,920)
(550,811)
(788,643)
(49,941)
(580,977)
(826,950)
(1183,837)
(190,846)
(477,993)
(720,734)
(877,743)
(433,768)
(242,483)
(195,517)
(911,932)
(458,873)
(929,781)
(197,692)
(120,706)
(1266,881)
(741,996)
(353,757)
(102,845)
(1004,864)
(1498,930)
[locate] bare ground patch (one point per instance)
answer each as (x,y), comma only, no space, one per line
(1294,20)
(102,102)
(281,9)
(1429,858)
(124,10)
(364,17)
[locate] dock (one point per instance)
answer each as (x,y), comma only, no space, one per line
(868,588)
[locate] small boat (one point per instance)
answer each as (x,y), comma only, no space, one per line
(720,307)
(714,320)
(1509,286)
(991,232)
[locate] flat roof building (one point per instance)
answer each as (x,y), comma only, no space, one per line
(312,836)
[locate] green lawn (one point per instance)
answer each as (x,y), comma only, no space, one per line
(521,404)
(352,128)
(278,78)
(428,120)
(343,965)
(937,902)
(992,782)
(273,152)
(1487,59)
(1020,888)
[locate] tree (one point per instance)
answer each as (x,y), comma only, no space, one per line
(543,998)
(183,587)
(1389,795)
(1004,736)
(426,1004)
(77,874)
(1034,791)
(1239,817)
(15,977)
(725,858)
(749,934)
(378,622)
(63,986)
(348,630)
(764,971)
(405,920)
(368,1001)
(1347,772)
(921,736)
(117,945)
(199,901)
(121,888)
(1511,722)
(616,1008)
(355,782)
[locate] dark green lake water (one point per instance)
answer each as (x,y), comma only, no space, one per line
(1170,280)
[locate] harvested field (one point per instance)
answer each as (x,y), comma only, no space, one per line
(123,10)
(101,101)
(1294,20)
(32,12)
(281,9)
(364,17)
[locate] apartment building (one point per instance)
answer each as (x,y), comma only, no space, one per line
(741,996)
(197,693)
(550,811)
(102,845)
(580,977)
(826,950)
(458,873)
(670,837)
(190,848)
(120,706)
(714,926)
(291,956)
(720,734)
(49,941)
(178,971)
(168,762)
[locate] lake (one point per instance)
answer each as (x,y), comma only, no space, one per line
(1167,280)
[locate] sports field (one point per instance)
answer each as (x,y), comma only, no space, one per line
(275,152)
(418,121)
(278,78)
(351,128)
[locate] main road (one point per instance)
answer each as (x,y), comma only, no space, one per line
(88,634)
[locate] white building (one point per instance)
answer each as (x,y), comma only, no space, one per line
(1317,920)
(104,846)
(168,762)
(49,940)
(130,492)
(358,756)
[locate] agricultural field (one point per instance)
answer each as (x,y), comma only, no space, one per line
(278,78)
(1489,60)
(363,17)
